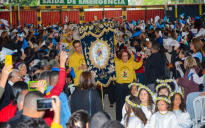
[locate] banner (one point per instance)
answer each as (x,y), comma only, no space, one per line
(84,2)
(97,42)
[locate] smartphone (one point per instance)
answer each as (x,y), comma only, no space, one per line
(44,103)
(32,85)
(8,60)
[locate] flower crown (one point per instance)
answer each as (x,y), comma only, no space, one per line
(146,88)
(175,92)
(164,99)
(165,85)
(135,84)
(164,81)
(131,103)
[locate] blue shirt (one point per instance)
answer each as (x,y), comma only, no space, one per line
(160,40)
(198,55)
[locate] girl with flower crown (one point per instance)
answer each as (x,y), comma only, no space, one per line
(163,117)
(133,91)
(162,89)
(179,108)
(146,101)
(134,117)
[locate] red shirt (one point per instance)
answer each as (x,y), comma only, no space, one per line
(57,89)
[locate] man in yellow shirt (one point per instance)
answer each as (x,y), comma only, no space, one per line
(77,61)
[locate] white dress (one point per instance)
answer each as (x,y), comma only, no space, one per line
(123,110)
(134,122)
(147,112)
(158,120)
(183,119)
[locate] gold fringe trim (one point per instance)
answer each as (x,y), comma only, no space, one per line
(95,35)
(108,83)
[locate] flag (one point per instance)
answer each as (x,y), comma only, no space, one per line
(151,27)
(98,50)
(54,41)
(165,18)
(25,43)
(136,33)
(72,72)
(158,25)
(134,22)
(179,38)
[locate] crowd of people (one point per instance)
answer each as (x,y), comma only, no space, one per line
(159,66)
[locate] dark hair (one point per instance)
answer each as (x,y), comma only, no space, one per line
(197,23)
(86,81)
(198,63)
(169,107)
(17,88)
(53,53)
(182,106)
(120,54)
(138,48)
(34,69)
(27,51)
(35,77)
(150,100)
(156,46)
(45,75)
(157,30)
(48,41)
(80,117)
(203,64)
(185,52)
(112,124)
(98,119)
(137,111)
(5,125)
(75,42)
(33,123)
(39,54)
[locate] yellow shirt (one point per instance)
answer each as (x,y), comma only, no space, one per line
(125,72)
(76,61)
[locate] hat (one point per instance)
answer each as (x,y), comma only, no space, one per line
(18,64)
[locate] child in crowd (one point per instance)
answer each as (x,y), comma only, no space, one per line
(179,108)
(163,117)
(146,101)
(134,117)
(133,91)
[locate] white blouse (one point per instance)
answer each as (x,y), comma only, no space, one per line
(147,112)
(164,120)
(183,119)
